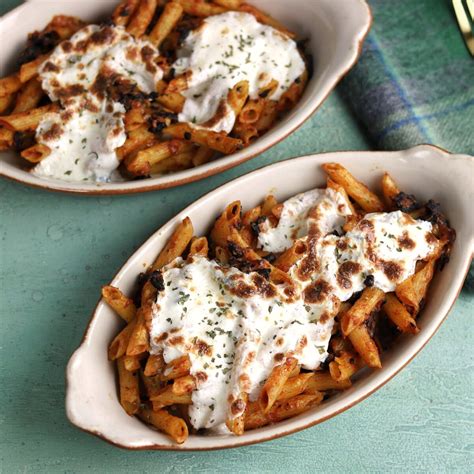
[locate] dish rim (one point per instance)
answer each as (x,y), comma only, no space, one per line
(263,438)
(74,188)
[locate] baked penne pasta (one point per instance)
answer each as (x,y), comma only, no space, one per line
(264,318)
(138,107)
(123,306)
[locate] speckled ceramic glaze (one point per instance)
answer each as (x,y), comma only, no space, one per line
(429,172)
(335,29)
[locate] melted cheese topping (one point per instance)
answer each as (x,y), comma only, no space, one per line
(79,74)
(235,327)
(225,50)
(383,245)
(324,208)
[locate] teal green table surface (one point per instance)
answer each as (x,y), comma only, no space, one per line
(56,252)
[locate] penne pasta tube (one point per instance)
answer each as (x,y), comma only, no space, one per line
(173,101)
(412,291)
(36,153)
(295,386)
(237,96)
(131,363)
(277,210)
(268,204)
(225,223)
(218,141)
(290,407)
(197,8)
(370,300)
(124,11)
(166,22)
(199,246)
(322,381)
(176,244)
(176,368)
(367,200)
(30,70)
(172,425)
(365,346)
(390,191)
(256,418)
(10,85)
(230,4)
(293,94)
(275,383)
(6,102)
(29,96)
(153,385)
(142,18)
(344,366)
(123,306)
(236,424)
(6,138)
(65,26)
(26,120)
(118,346)
(268,90)
(222,255)
(183,385)
(251,111)
(138,342)
(202,155)
(251,216)
(181,161)
(267,117)
(289,257)
(154,365)
(129,391)
(177,84)
(398,314)
(137,139)
(338,188)
(167,397)
(247,133)
(265,19)
(142,162)
(134,118)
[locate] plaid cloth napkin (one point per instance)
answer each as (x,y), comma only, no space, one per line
(414,82)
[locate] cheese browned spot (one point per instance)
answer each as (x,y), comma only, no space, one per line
(90,75)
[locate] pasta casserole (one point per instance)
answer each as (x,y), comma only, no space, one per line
(277,308)
(158,87)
